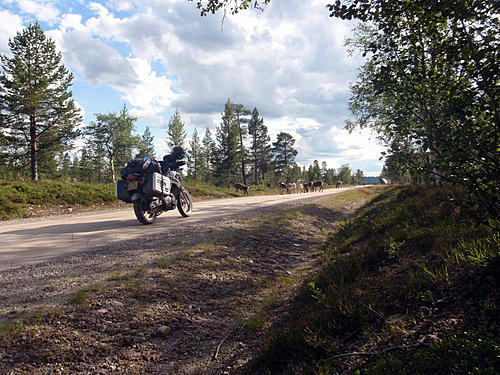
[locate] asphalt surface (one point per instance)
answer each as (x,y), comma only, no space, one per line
(24,242)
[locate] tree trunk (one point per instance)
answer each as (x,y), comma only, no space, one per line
(256,172)
(112,167)
(243,174)
(34,150)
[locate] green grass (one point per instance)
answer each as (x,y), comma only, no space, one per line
(80,298)
(406,251)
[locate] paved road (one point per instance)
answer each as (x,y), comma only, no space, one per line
(29,242)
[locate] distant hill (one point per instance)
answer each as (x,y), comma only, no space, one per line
(372,180)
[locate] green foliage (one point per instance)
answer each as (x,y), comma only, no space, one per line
(175,130)
(284,155)
(405,249)
(227,157)
(145,146)
(260,146)
(460,352)
(430,88)
(195,159)
(17,197)
(112,136)
(208,151)
(80,298)
(38,114)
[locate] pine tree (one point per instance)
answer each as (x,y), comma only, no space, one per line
(240,114)
(114,133)
(38,112)
(146,147)
(208,151)
(227,157)
(75,168)
(316,171)
(175,130)
(65,165)
(85,166)
(195,159)
(284,155)
(260,146)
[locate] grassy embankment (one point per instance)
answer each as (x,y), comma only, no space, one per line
(20,199)
(410,285)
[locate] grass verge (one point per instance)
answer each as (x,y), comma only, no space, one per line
(408,286)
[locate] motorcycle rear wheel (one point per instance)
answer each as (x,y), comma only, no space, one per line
(143,215)
(185,203)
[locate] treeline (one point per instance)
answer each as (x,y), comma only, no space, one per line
(40,124)
(240,150)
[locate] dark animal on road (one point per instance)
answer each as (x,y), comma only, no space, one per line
(317,184)
(243,188)
(308,186)
(339,184)
(283,187)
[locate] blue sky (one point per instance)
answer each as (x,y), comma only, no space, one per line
(155,56)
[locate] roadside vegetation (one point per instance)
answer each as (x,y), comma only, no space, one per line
(22,199)
(410,285)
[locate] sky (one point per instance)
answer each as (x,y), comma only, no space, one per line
(156,56)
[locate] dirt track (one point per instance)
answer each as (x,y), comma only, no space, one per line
(32,241)
(194,301)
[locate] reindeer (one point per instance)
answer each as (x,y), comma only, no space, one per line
(338,185)
(243,188)
(317,184)
(291,187)
(308,186)
(283,187)
(300,186)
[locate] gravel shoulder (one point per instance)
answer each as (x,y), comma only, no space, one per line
(194,300)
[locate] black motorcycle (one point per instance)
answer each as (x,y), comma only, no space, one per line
(153,187)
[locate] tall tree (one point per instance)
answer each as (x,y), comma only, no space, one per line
(195,159)
(115,134)
(284,155)
(345,174)
(324,170)
(240,117)
(85,170)
(260,145)
(227,156)
(208,150)
(145,146)
(38,112)
(359,177)
(175,130)
(431,80)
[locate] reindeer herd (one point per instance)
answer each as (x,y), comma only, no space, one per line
(295,187)
(300,187)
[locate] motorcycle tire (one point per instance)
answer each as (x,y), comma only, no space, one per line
(185,203)
(143,215)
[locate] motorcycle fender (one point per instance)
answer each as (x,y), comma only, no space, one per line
(135,197)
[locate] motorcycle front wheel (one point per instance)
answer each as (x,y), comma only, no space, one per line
(142,212)
(185,203)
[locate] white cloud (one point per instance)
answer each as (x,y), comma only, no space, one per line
(10,24)
(288,61)
(43,10)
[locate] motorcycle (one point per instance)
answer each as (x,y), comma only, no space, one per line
(153,187)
